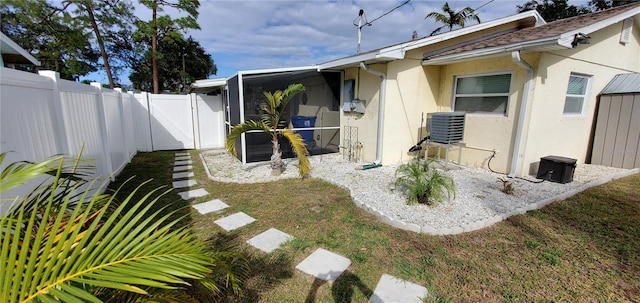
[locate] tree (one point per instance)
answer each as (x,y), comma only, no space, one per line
(55,38)
(552,10)
(111,22)
(451,18)
(71,37)
(598,5)
(273,122)
(152,27)
(183,62)
(61,243)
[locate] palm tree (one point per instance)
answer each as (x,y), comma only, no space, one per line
(451,18)
(60,243)
(273,111)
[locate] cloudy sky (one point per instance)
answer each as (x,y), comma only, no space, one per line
(248,35)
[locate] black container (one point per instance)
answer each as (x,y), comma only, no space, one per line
(556,169)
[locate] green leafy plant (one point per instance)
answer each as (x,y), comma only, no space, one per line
(424,184)
(61,243)
(273,111)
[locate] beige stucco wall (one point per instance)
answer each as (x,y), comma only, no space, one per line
(413,89)
(367,89)
(551,132)
(488,131)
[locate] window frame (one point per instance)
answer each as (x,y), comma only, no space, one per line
(585,97)
(482,113)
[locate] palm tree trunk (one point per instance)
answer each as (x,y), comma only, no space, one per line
(276,159)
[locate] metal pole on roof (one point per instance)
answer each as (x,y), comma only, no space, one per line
(359,29)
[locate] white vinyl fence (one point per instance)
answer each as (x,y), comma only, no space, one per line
(42,116)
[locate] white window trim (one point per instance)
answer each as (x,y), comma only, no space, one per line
(585,100)
(508,94)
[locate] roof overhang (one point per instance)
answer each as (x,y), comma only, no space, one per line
(14,53)
(546,44)
(560,42)
(566,38)
(397,52)
(207,85)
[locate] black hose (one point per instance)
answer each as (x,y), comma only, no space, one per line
(495,172)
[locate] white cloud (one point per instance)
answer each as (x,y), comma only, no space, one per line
(247,35)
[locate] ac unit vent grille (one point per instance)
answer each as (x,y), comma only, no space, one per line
(446,127)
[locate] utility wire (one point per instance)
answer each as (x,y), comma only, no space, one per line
(393,9)
(481,6)
(389,12)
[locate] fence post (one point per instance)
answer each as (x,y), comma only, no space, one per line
(103,130)
(56,108)
(195,120)
(123,123)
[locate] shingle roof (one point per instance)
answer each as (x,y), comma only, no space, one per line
(549,30)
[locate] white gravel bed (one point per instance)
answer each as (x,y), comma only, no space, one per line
(479,201)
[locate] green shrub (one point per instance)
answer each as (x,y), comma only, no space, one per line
(424,184)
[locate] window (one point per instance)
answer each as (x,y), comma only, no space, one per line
(482,94)
(574,103)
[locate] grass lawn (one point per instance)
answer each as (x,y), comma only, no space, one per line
(585,248)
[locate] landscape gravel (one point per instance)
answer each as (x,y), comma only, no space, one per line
(479,201)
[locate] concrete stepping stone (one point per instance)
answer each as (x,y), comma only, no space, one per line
(269,240)
(183,184)
(324,265)
(183,162)
(234,221)
(182,167)
(182,154)
(210,206)
(195,193)
(182,158)
(188,174)
(392,289)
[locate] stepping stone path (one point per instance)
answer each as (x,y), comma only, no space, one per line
(392,289)
(187,174)
(234,221)
(269,240)
(192,194)
(185,183)
(324,265)
(182,168)
(321,264)
(211,206)
(183,162)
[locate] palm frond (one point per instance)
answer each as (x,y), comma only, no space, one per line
(50,257)
(300,149)
(18,173)
(237,130)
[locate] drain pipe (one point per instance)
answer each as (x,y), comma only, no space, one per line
(515,56)
(381,97)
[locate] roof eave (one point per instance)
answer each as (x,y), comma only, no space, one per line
(17,49)
(379,56)
(566,38)
(550,42)
(397,52)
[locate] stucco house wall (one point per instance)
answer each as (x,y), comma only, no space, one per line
(550,132)
(367,87)
(487,131)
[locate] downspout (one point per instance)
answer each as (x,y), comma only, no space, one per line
(515,56)
(381,99)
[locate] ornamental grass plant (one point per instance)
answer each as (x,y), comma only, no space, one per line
(423,183)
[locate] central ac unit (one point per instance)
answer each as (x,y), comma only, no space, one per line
(446,127)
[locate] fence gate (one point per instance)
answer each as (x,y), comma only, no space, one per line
(616,140)
(171,122)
